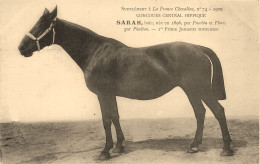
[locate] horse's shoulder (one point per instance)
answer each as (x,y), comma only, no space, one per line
(103,58)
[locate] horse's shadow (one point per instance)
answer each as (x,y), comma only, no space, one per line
(179,144)
(168,145)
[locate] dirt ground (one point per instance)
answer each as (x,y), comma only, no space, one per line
(147,141)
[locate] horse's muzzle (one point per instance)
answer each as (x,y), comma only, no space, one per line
(25,52)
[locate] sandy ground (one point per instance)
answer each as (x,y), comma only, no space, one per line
(147,141)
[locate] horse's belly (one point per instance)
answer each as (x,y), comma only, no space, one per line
(146,87)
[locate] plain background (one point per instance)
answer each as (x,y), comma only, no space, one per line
(49,86)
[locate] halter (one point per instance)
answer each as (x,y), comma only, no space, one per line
(43,34)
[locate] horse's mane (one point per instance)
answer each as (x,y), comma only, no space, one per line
(86,30)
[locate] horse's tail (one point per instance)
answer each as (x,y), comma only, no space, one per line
(218,87)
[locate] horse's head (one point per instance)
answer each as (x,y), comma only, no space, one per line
(41,35)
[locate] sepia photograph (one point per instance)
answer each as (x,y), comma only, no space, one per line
(111,81)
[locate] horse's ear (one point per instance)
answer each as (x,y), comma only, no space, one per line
(46,11)
(54,13)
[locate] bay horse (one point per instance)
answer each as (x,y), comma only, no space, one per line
(113,69)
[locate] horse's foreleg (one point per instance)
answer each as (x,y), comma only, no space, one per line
(199,112)
(120,136)
(106,108)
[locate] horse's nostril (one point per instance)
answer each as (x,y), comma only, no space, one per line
(21,48)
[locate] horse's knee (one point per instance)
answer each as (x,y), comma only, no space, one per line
(115,117)
(107,123)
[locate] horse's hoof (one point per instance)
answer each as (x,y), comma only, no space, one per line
(119,149)
(104,155)
(192,150)
(227,152)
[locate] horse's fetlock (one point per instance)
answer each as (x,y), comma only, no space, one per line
(108,147)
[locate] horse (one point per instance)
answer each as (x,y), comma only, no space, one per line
(112,69)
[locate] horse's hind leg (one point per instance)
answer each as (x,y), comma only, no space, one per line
(199,112)
(218,112)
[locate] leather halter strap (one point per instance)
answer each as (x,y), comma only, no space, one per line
(43,34)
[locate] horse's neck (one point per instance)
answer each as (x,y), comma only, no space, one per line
(78,42)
